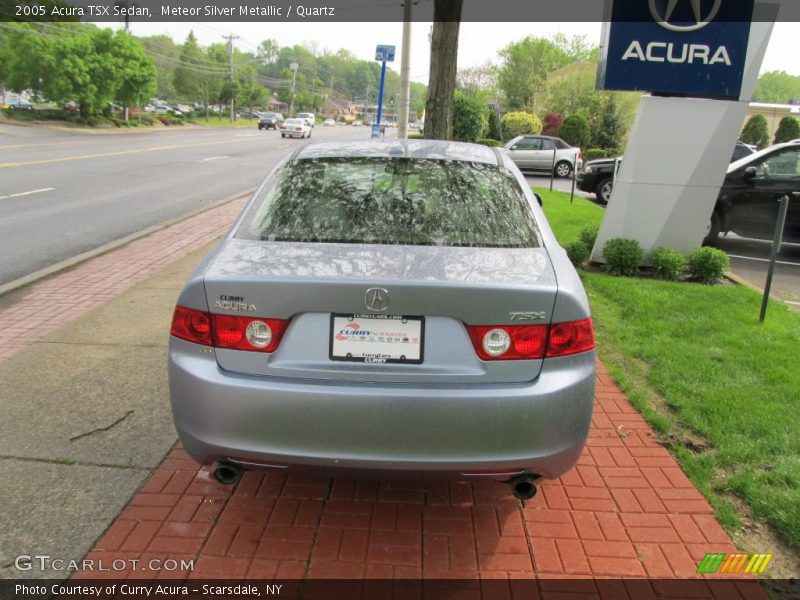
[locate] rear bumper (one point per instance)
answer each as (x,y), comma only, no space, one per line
(538,427)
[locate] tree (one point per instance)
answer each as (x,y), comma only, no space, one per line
(91,66)
(608,134)
(520,123)
(187,77)
(470,121)
(575,131)
(526,64)
(788,130)
(756,131)
(268,51)
(164,53)
(778,87)
(552,122)
(443,67)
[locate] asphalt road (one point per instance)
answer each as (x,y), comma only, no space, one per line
(63,193)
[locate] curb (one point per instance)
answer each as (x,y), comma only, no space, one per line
(80,258)
(758,290)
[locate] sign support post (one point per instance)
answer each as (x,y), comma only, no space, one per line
(383,54)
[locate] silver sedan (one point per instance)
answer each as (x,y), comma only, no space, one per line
(387,307)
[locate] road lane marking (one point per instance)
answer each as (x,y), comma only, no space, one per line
(214,158)
(119,153)
(39,191)
(777,262)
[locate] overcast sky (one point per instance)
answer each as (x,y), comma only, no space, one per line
(478,42)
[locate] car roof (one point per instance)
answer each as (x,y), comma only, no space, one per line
(415,149)
(758,155)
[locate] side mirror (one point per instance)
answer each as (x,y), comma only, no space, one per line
(514,147)
(538,198)
(749,173)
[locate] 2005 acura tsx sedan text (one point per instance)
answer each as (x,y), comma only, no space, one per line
(390,307)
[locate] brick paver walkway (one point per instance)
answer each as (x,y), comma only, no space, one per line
(626,510)
(48,304)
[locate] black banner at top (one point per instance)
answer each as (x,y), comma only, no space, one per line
(332,11)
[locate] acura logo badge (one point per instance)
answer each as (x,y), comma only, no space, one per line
(701,21)
(377,299)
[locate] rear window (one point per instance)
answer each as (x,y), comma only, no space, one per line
(392,201)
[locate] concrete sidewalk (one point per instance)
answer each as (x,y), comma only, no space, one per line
(87,424)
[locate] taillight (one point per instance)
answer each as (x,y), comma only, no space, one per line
(570,338)
(225,331)
(529,342)
(191,325)
(247,333)
(508,342)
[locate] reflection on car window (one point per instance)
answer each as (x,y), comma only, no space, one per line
(548,145)
(527,144)
(393,201)
(784,165)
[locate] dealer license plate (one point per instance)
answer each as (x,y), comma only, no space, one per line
(377,338)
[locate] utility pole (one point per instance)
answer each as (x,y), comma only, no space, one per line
(405,72)
(293,66)
(230,39)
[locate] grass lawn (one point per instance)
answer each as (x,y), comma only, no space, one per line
(695,361)
(225,122)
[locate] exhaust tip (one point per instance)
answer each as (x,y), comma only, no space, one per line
(227,473)
(524,487)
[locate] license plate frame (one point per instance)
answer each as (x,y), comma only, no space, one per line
(340,345)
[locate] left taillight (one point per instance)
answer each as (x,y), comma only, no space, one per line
(191,325)
(254,334)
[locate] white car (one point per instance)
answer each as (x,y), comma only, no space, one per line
(357,123)
(295,128)
(329,123)
(309,118)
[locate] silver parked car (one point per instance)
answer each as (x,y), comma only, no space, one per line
(385,307)
(535,153)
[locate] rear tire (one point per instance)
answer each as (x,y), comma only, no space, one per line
(283,135)
(563,169)
(602,190)
(712,231)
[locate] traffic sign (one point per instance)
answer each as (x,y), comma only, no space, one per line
(384,53)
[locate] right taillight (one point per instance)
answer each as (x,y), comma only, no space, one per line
(570,338)
(529,342)
(227,331)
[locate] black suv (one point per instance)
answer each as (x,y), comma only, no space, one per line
(270,120)
(747,202)
(597,176)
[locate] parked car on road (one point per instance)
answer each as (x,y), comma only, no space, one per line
(308,117)
(748,200)
(329,123)
(270,120)
(357,124)
(295,128)
(535,153)
(387,307)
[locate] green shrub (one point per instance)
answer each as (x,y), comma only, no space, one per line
(668,264)
(623,257)
(595,153)
(588,235)
(488,142)
(788,130)
(493,121)
(470,121)
(577,252)
(575,131)
(756,131)
(520,123)
(707,265)
(416,136)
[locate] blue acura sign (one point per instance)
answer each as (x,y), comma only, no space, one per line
(676,47)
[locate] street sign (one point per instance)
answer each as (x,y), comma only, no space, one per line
(384,53)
